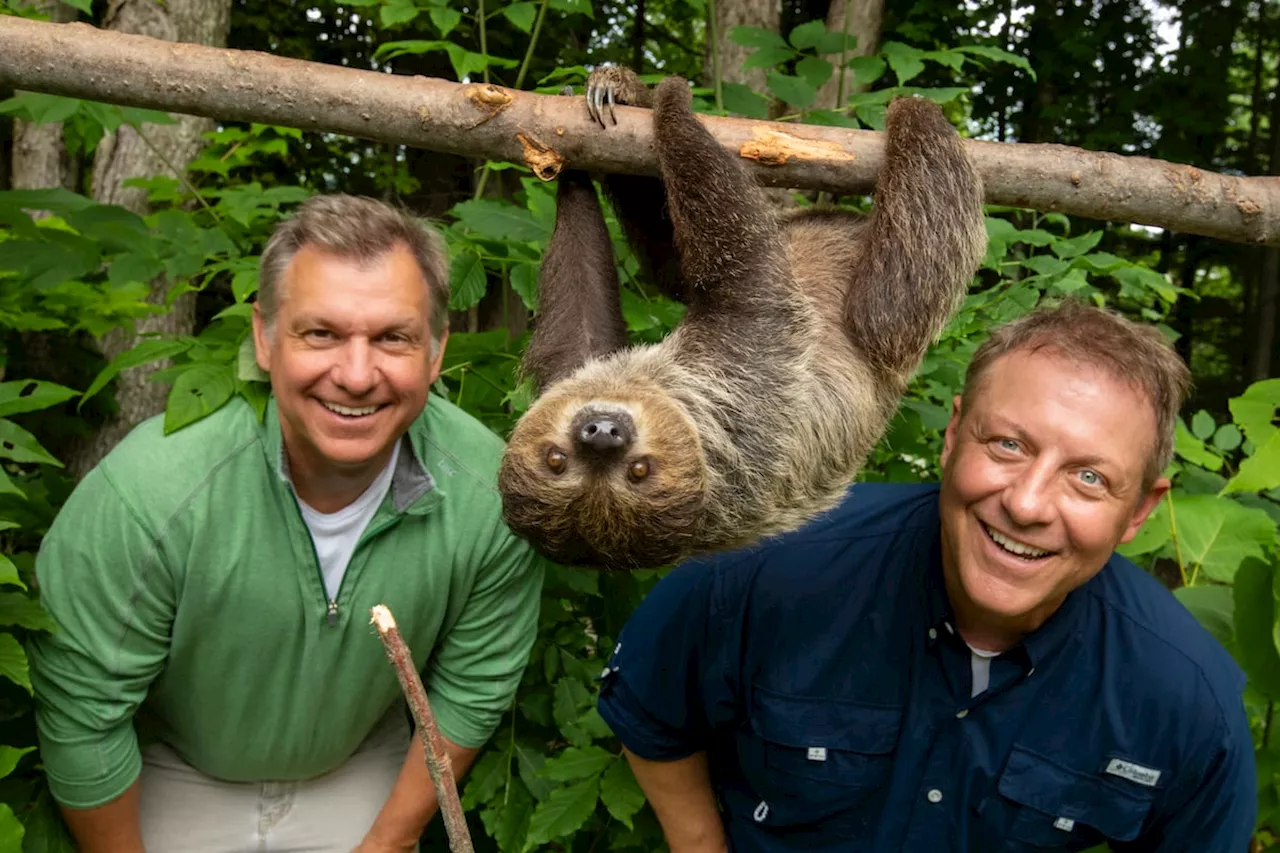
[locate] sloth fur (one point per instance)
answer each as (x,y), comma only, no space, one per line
(801,333)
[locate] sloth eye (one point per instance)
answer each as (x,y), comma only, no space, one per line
(555,461)
(638,470)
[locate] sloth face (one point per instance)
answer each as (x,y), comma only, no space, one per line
(611,481)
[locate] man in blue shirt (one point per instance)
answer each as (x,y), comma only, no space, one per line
(959,667)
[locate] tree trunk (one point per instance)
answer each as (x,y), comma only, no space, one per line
(864,19)
(1264,338)
(40,157)
(727,56)
(159,149)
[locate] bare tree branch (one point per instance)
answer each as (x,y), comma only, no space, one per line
(548,132)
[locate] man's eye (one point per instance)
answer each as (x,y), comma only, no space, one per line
(318,334)
(1009,444)
(1090,478)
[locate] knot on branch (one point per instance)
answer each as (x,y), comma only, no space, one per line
(487,98)
(544,160)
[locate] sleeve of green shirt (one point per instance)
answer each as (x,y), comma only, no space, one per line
(112,597)
(477,665)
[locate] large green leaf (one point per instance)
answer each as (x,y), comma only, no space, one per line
(1213,606)
(200,390)
(18,609)
(522,14)
(1255,621)
(500,220)
(143,353)
(1259,472)
(620,793)
(9,758)
(796,91)
(31,395)
(1192,449)
(21,446)
(575,763)
(529,760)
(486,778)
(1217,534)
(9,573)
(46,832)
(466,281)
(1254,410)
(756,37)
(13,662)
(565,811)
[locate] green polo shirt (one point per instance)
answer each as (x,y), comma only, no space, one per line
(187,593)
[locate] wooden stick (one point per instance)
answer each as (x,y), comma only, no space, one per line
(438,763)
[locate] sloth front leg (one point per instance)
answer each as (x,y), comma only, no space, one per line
(579,312)
(730,247)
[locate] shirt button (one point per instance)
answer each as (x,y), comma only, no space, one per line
(962,713)
(934,795)
(933,633)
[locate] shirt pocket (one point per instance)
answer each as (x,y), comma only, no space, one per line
(813,761)
(1042,805)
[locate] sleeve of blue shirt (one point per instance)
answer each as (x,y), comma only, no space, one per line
(1222,810)
(669,669)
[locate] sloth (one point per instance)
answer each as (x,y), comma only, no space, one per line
(799,337)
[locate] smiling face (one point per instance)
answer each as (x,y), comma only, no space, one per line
(1042,479)
(350,359)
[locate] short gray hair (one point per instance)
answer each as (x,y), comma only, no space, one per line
(361,229)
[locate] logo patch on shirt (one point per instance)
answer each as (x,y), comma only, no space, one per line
(1133,772)
(817,753)
(1066,824)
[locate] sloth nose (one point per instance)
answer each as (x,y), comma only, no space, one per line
(604,434)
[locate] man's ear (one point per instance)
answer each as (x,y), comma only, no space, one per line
(1145,507)
(949,437)
(261,340)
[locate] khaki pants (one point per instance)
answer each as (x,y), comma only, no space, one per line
(184,811)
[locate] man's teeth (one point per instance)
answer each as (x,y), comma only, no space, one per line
(351,413)
(1013,545)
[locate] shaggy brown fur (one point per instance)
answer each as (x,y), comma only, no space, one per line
(755,414)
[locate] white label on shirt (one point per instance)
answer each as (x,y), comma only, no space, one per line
(817,753)
(1133,772)
(761,812)
(1066,824)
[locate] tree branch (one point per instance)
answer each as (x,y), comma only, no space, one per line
(548,131)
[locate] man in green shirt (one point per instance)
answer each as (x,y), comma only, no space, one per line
(215,684)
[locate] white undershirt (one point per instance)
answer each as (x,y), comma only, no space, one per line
(980,659)
(335,534)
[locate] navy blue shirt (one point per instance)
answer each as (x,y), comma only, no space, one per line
(822,676)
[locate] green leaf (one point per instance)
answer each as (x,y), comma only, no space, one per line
(1260,472)
(522,15)
(833,42)
(903,59)
(1218,534)
(500,221)
(768,57)
(1255,409)
(1153,535)
(18,609)
(1202,425)
(564,812)
(1255,620)
(620,793)
(200,390)
(1076,246)
(444,19)
(9,573)
(573,7)
(486,778)
(997,55)
(742,100)
(815,71)
(1137,280)
(1045,265)
(145,352)
(808,35)
(397,12)
(529,760)
(13,662)
(31,395)
(508,824)
(756,37)
(1192,449)
(9,758)
(1227,438)
(867,69)
(524,281)
(575,763)
(1214,608)
(45,830)
(467,282)
(11,830)
(57,200)
(794,90)
(21,446)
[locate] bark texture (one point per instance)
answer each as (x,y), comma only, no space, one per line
(40,158)
(548,131)
(865,18)
(740,13)
(158,150)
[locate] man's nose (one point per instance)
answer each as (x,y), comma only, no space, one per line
(356,371)
(1028,499)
